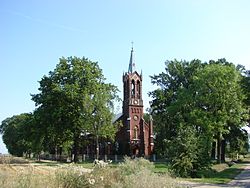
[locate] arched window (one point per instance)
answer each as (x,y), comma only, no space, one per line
(127,89)
(136,132)
(133,89)
(138,89)
(124,89)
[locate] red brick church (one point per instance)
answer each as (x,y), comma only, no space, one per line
(135,138)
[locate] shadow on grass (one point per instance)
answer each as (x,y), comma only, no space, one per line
(47,163)
(161,167)
(229,173)
(222,177)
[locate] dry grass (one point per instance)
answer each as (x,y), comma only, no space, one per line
(25,175)
(8,159)
(220,167)
(130,174)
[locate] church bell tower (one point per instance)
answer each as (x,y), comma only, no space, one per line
(138,134)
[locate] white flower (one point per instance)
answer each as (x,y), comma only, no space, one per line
(91,181)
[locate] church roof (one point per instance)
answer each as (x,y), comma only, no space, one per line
(117,117)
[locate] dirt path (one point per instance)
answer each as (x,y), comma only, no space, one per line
(243,179)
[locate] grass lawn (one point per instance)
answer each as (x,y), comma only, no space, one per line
(219,174)
(160,167)
(88,165)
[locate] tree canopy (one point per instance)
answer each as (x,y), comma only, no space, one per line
(202,101)
(16,134)
(73,100)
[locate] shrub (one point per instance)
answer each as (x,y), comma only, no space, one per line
(147,179)
(132,174)
(133,166)
(72,177)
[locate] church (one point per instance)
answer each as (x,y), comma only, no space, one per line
(135,137)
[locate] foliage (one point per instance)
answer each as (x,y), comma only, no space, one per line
(238,142)
(16,133)
(132,173)
(246,89)
(184,152)
(195,103)
(74,100)
(220,99)
(71,178)
(177,75)
(134,166)
(177,132)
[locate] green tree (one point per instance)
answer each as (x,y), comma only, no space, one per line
(183,151)
(205,98)
(238,142)
(219,99)
(172,108)
(73,99)
(165,106)
(16,132)
(246,88)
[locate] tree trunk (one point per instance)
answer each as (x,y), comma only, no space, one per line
(223,149)
(75,150)
(213,152)
(56,153)
(60,154)
(219,148)
(38,156)
(97,147)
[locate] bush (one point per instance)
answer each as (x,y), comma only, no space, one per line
(184,152)
(72,177)
(133,166)
(132,174)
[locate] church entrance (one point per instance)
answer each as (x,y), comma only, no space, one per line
(135,151)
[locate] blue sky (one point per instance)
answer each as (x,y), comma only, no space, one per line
(35,34)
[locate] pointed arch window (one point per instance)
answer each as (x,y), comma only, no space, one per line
(124,89)
(138,89)
(127,89)
(133,89)
(136,132)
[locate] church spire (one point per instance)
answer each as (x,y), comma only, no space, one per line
(131,61)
